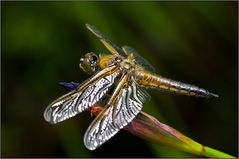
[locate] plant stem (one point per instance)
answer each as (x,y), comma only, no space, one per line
(210,152)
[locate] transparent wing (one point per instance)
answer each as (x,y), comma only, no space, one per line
(114,49)
(115,117)
(139,59)
(85,96)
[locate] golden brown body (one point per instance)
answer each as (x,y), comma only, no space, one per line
(147,79)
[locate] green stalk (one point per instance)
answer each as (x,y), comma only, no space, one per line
(210,152)
(149,128)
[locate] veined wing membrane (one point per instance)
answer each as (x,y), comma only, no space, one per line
(85,96)
(114,49)
(139,59)
(118,114)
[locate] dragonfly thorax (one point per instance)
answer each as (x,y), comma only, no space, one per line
(109,60)
(127,64)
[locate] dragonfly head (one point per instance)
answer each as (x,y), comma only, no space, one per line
(89,63)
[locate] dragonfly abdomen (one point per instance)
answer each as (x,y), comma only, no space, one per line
(149,80)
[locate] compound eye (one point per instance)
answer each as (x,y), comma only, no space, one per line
(89,63)
(94,58)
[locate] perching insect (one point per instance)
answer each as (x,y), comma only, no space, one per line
(127,70)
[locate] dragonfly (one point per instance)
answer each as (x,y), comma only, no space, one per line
(122,77)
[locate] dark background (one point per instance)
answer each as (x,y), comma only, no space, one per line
(192,42)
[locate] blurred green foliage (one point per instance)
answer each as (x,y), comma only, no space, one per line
(42,42)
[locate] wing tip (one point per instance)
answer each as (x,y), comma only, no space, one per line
(213,95)
(87,25)
(90,27)
(94,30)
(90,147)
(47,116)
(48,119)
(88,144)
